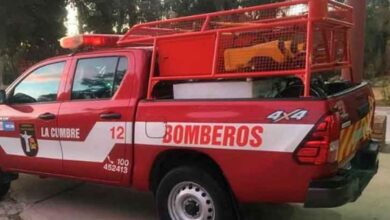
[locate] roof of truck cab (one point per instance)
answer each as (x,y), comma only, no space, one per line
(92,51)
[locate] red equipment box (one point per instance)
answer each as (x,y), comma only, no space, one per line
(186,56)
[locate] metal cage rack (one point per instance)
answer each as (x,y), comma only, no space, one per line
(297,37)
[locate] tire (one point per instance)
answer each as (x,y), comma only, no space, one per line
(4,188)
(187,193)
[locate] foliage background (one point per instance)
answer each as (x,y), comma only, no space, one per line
(29,30)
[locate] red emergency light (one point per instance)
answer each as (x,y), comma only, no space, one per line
(90,40)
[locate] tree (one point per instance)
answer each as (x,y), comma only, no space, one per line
(191,7)
(102,16)
(30,31)
(96,15)
(247,3)
(115,16)
(377,37)
(148,10)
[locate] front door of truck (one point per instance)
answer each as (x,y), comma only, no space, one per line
(95,123)
(31,110)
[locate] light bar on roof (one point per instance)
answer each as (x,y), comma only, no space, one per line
(90,40)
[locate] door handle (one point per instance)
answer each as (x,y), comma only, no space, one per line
(109,116)
(47,116)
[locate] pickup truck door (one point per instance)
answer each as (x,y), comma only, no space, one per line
(96,121)
(32,107)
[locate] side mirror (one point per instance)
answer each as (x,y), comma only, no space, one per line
(3,97)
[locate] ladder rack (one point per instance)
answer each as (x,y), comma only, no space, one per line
(297,38)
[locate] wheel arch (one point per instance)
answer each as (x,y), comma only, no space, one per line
(171,159)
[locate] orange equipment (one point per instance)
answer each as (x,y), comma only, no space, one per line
(279,51)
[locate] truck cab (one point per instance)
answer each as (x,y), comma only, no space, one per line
(68,115)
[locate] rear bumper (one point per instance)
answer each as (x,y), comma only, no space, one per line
(347,185)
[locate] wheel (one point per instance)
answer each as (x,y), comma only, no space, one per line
(4,188)
(189,193)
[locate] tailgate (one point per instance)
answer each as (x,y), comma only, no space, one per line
(356,108)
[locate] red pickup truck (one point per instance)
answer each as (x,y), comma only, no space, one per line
(206,112)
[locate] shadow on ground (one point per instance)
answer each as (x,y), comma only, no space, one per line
(287,212)
(386,149)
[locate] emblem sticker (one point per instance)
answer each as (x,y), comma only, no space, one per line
(342,110)
(8,126)
(278,116)
(29,140)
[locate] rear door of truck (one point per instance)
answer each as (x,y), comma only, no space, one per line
(355,107)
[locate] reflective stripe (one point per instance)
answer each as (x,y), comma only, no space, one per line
(352,136)
(47,148)
(96,147)
(99,142)
(274,137)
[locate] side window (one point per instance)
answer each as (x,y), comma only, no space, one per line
(120,73)
(98,78)
(41,85)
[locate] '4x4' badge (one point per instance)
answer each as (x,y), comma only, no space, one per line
(28,139)
(297,115)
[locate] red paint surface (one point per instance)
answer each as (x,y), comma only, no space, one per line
(253,175)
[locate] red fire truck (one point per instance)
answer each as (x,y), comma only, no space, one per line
(207,111)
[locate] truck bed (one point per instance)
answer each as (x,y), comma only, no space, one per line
(262,166)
